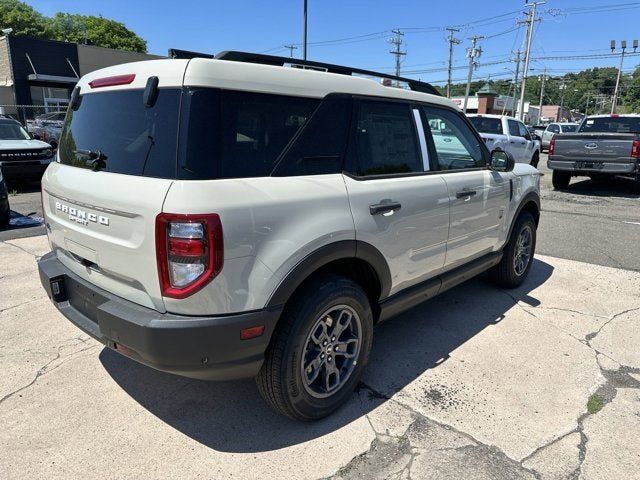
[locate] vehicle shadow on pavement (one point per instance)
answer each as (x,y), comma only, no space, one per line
(232,417)
(609,187)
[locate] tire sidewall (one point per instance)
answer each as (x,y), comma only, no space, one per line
(300,400)
(525,219)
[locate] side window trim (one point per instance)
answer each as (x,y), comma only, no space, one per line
(421,139)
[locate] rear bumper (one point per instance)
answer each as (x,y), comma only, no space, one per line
(589,166)
(207,348)
(30,168)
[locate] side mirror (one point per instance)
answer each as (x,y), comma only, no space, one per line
(35,136)
(528,136)
(502,161)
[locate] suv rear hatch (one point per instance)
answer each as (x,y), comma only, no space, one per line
(115,164)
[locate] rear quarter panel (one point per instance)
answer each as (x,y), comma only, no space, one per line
(269,225)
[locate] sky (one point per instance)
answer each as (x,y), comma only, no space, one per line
(357,32)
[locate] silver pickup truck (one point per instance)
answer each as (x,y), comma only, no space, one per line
(604,145)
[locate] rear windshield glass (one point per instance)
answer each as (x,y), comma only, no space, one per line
(199,133)
(129,137)
(611,125)
(569,128)
(487,125)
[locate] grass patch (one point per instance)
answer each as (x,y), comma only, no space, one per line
(13,193)
(595,404)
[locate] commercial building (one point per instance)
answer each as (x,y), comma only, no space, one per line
(37,76)
(488,101)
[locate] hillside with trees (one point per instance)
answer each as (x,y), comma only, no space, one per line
(595,85)
(88,29)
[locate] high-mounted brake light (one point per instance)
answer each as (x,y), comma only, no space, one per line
(615,115)
(552,145)
(635,149)
(112,81)
(189,251)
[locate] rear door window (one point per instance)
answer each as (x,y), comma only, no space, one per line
(384,140)
(611,125)
(130,138)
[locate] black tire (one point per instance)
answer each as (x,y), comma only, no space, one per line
(560,179)
(535,159)
(505,274)
(280,380)
(5,213)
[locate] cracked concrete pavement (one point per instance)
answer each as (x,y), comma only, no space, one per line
(477,383)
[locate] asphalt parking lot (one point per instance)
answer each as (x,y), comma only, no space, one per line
(539,382)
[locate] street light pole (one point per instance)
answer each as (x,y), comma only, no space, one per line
(304,32)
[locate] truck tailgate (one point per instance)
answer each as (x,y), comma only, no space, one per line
(594,147)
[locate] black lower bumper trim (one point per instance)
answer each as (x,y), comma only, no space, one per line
(206,348)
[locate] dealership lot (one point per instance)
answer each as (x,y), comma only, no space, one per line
(542,381)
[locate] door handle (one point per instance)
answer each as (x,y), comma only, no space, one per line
(465,193)
(384,207)
(512,141)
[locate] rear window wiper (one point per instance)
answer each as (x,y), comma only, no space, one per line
(96,159)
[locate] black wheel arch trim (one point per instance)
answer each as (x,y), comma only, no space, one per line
(529,197)
(326,254)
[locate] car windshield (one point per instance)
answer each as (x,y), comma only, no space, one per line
(569,128)
(13,131)
(487,125)
(611,125)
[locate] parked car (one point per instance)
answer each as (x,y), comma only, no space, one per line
(266,236)
(554,128)
(47,133)
(603,146)
(5,211)
(537,131)
(20,155)
(55,119)
(508,134)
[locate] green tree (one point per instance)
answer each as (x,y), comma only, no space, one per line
(23,19)
(95,31)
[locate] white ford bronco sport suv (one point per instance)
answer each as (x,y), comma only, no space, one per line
(245,217)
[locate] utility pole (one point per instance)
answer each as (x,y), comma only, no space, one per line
(586,108)
(304,32)
(452,41)
(291,49)
(396,41)
(544,77)
(623,48)
(473,53)
(516,92)
(531,19)
(562,88)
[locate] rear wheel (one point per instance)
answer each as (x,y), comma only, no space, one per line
(560,179)
(518,254)
(319,350)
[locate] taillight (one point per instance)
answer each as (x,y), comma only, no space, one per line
(635,149)
(189,250)
(552,146)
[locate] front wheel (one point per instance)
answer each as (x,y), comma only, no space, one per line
(560,179)
(535,159)
(517,256)
(319,350)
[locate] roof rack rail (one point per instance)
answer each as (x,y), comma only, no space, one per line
(249,57)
